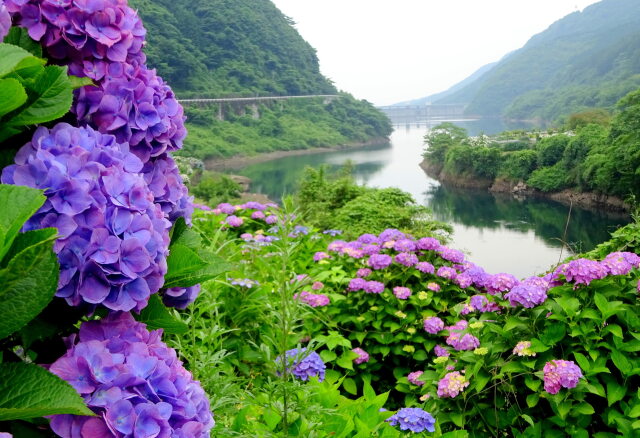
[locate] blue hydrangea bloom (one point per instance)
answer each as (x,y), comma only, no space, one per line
(414,419)
(302,364)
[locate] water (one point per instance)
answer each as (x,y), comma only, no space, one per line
(499,233)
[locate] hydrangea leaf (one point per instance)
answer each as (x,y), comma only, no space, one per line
(29,391)
(19,36)
(24,202)
(12,95)
(186,268)
(28,283)
(157,316)
(78,82)
(54,97)
(10,57)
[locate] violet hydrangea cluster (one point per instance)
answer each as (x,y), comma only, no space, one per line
(363,356)
(301,364)
(413,419)
(433,325)
(133,382)
(560,374)
(414,378)
(5,21)
(452,384)
(113,238)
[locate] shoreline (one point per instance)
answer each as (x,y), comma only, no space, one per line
(238,162)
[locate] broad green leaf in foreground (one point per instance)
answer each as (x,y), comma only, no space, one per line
(19,36)
(156,316)
(29,391)
(28,283)
(12,95)
(187,268)
(10,57)
(24,202)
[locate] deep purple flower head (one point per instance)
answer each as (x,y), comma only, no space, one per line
(313,300)
(479,302)
(452,384)
(441,351)
(370,249)
(414,419)
(447,272)
(428,244)
(374,287)
(363,356)
(379,261)
(114,239)
(529,293)
(500,283)
(180,297)
(560,373)
(478,275)
(402,293)
(463,342)
(302,364)
(414,376)
(582,271)
(406,259)
(433,325)
(425,267)
(5,21)
(363,272)
(452,255)
(404,245)
(135,384)
(357,284)
(368,238)
(163,178)
(620,263)
(391,234)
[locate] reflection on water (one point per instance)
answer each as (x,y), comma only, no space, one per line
(474,127)
(498,232)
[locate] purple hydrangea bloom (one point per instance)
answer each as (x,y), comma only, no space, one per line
(271,219)
(253,205)
(374,287)
(500,283)
(414,419)
(256,215)
(336,245)
(404,245)
(464,280)
(371,249)
(560,373)
(135,384)
(303,365)
(425,267)
(332,233)
(463,342)
(452,384)
(402,293)
(441,351)
(320,255)
(478,275)
(5,434)
(433,325)
(406,259)
(357,284)
(234,221)
(428,244)
(226,208)
(414,376)
(5,21)
(453,255)
(447,272)
(114,239)
(363,272)
(618,263)
(582,271)
(363,356)
(163,178)
(313,300)
(368,238)
(379,261)
(479,302)
(180,297)
(530,293)
(391,234)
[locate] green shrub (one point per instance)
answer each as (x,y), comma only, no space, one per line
(548,179)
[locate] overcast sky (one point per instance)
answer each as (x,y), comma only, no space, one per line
(388,51)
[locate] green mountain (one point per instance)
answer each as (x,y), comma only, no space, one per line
(587,59)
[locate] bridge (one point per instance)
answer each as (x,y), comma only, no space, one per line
(239,103)
(422,112)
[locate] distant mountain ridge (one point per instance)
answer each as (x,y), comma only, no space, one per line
(586,59)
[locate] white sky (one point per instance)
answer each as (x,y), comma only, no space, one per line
(387,51)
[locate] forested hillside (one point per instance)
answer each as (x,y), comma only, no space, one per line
(586,59)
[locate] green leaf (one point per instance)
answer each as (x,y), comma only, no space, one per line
(582,361)
(345,361)
(29,391)
(349,385)
(78,82)
(328,355)
(24,202)
(10,57)
(12,95)
(54,97)
(157,316)
(569,305)
(552,334)
(584,408)
(634,412)
(271,418)
(532,400)
(615,392)
(19,36)
(27,285)
(621,362)
(186,267)
(30,238)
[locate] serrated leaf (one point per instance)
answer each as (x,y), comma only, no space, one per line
(349,385)
(532,400)
(621,362)
(328,355)
(582,361)
(24,202)
(10,57)
(157,316)
(79,82)
(30,238)
(185,276)
(12,95)
(27,285)
(29,391)
(615,392)
(53,98)
(552,334)
(584,408)
(19,36)
(182,260)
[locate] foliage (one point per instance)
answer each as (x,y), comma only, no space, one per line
(214,188)
(598,116)
(519,164)
(548,179)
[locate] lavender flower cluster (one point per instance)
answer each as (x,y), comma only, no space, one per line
(301,364)
(133,382)
(560,374)
(114,239)
(313,300)
(363,356)
(415,420)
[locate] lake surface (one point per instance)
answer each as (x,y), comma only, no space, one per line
(499,233)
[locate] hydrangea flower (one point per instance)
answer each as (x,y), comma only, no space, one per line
(441,351)
(582,271)
(414,419)
(425,267)
(452,255)
(428,244)
(336,245)
(303,365)
(523,348)
(404,245)
(253,205)
(433,325)
(406,259)
(479,302)
(379,261)
(447,272)
(180,297)
(414,376)
(133,382)
(234,221)
(114,239)
(320,255)
(452,384)
(163,178)
(363,272)
(313,300)
(363,356)
(271,219)
(226,208)
(357,284)
(463,342)
(529,293)
(391,234)
(560,373)
(402,293)
(374,287)
(435,287)
(371,249)
(332,233)
(5,21)
(500,283)
(620,263)
(368,238)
